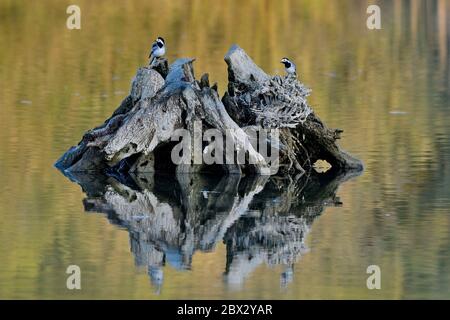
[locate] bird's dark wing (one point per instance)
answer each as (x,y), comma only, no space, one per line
(154,47)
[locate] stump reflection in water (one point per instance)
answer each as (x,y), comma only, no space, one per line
(260,219)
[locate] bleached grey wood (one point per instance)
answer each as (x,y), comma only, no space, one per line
(162,101)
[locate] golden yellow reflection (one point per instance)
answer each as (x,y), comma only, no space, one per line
(388,89)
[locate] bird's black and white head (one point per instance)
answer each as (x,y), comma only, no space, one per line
(287,63)
(289,66)
(160,42)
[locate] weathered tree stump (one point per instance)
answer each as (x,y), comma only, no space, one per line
(255,98)
(138,137)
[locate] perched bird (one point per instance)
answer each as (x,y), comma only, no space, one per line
(158,49)
(289,66)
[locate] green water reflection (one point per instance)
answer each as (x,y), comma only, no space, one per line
(388,89)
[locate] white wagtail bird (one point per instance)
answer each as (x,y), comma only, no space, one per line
(158,49)
(289,66)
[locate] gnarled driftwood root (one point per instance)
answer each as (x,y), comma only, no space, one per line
(138,137)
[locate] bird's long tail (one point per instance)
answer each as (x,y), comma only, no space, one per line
(152,59)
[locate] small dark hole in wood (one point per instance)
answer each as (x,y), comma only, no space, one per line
(143,164)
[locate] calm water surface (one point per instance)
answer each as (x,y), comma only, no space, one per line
(205,237)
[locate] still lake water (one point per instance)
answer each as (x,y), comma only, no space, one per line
(228,238)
